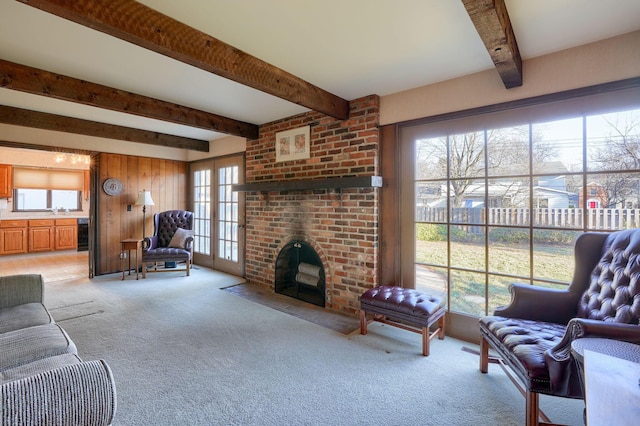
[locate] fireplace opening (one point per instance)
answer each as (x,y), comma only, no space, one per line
(299,273)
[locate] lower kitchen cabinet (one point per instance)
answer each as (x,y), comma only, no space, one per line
(41,235)
(13,237)
(66,234)
(38,235)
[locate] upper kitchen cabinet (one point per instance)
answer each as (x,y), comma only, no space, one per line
(5,181)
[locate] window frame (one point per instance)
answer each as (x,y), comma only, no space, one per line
(49,201)
(615,96)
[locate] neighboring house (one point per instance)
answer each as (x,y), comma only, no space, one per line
(549,198)
(549,192)
(597,196)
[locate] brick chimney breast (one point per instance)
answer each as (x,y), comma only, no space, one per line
(341,224)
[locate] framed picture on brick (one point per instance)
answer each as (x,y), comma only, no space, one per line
(293,144)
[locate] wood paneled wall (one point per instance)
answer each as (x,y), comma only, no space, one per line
(166,179)
(390,207)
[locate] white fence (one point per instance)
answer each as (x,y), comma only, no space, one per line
(595,219)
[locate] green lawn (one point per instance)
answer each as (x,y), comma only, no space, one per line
(467,288)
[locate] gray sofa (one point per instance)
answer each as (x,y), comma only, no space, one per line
(44,382)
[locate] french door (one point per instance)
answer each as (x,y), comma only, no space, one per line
(218,214)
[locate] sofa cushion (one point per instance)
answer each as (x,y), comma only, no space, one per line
(20,289)
(23,316)
(30,344)
(39,366)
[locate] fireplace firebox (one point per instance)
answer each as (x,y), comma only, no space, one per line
(299,273)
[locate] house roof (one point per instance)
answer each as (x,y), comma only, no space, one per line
(333,50)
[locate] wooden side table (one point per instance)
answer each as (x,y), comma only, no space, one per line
(128,245)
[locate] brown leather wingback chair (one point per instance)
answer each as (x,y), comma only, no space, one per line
(532,335)
(162,247)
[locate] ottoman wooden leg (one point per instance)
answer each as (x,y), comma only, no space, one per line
(363,322)
(425,341)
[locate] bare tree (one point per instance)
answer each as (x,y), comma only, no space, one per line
(619,152)
(461,159)
(466,154)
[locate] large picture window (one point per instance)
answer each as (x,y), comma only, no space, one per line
(41,189)
(502,198)
(47,199)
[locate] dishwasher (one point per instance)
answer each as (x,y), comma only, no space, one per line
(83,233)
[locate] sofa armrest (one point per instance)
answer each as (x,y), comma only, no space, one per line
(81,393)
(540,304)
(20,289)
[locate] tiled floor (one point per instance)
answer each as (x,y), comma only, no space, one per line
(306,311)
(52,265)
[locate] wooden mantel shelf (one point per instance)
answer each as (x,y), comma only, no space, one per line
(304,184)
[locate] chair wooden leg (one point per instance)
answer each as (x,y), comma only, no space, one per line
(363,322)
(484,355)
(188,267)
(532,408)
(144,270)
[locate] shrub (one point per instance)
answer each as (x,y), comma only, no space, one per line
(431,232)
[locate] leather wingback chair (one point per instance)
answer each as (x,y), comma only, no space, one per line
(532,335)
(170,242)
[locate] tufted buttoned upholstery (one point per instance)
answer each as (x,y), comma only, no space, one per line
(405,308)
(403,303)
(155,248)
(166,224)
(614,290)
(533,334)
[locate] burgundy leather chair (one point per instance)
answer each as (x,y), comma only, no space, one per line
(532,335)
(163,247)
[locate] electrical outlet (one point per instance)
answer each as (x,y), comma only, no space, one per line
(128,207)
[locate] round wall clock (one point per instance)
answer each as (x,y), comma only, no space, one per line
(112,186)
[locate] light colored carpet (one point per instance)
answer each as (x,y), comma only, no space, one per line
(183,352)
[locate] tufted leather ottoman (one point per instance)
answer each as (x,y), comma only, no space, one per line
(404,308)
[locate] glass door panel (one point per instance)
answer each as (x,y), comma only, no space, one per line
(229,256)
(201,176)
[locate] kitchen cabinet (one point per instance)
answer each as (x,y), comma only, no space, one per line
(66,234)
(13,237)
(38,235)
(41,235)
(6,188)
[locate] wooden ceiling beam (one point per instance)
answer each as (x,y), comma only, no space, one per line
(139,24)
(59,123)
(40,82)
(491,19)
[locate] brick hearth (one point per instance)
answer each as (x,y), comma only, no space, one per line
(340,225)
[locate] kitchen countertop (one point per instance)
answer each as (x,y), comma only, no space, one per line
(49,216)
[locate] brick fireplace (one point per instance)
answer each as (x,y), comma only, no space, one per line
(340,224)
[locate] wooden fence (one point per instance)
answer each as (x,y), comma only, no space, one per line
(595,219)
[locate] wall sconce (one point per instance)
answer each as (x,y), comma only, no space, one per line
(144,200)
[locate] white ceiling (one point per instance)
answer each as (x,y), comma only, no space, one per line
(350,48)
